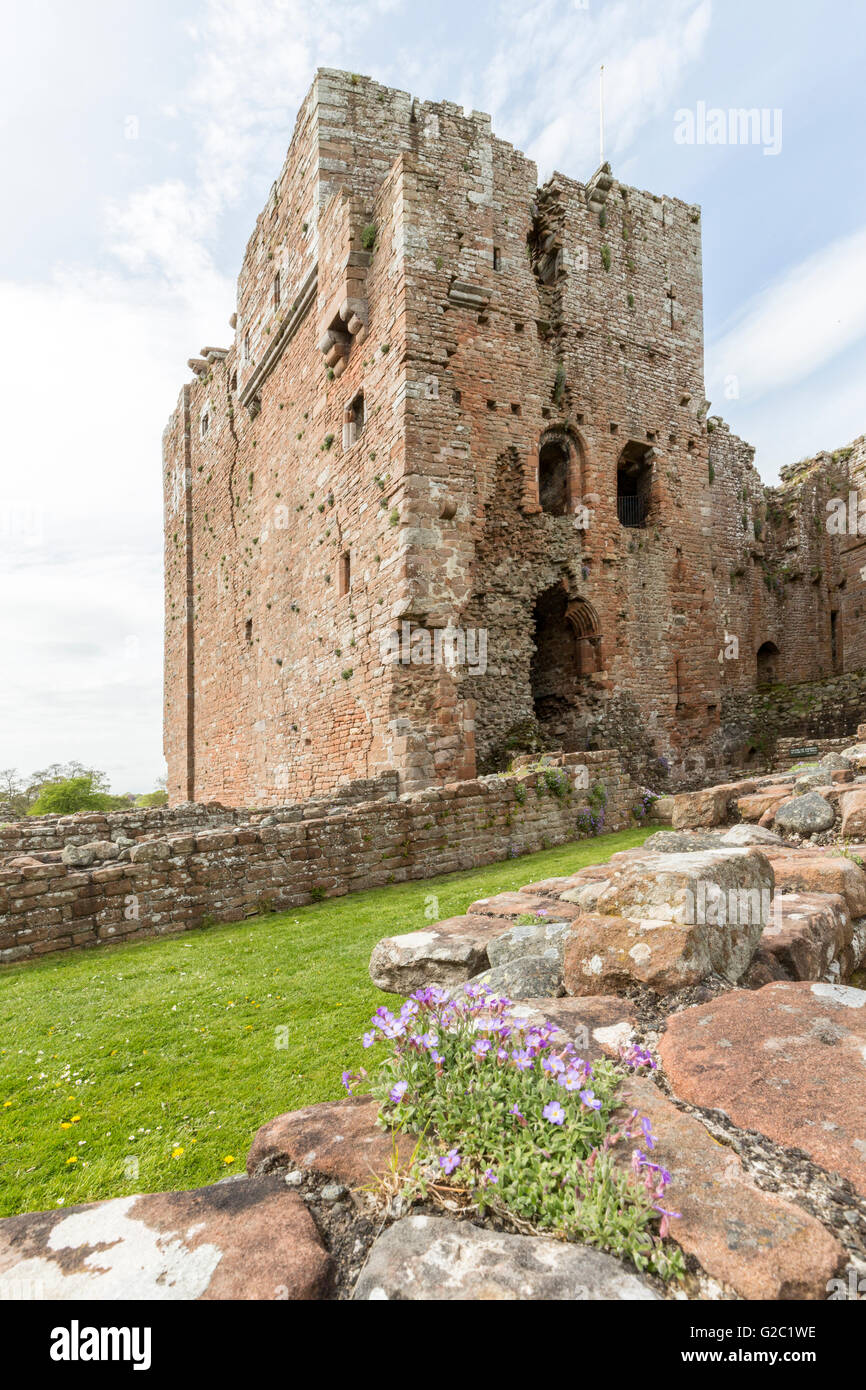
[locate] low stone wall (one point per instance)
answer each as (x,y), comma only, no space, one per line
(45,834)
(807,711)
(192,878)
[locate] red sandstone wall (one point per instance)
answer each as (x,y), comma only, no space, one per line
(193,878)
(488,316)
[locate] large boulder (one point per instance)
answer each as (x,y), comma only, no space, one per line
(671,922)
(757,804)
(528,977)
(680,887)
(523,903)
(754,1242)
(445,953)
(338,1138)
(434,1259)
(786,1060)
(252,1239)
(710,806)
(835,762)
(852,808)
(810,871)
(682,841)
(855,756)
(805,815)
(809,935)
(739,836)
(547,939)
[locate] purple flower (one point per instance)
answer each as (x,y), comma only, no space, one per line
(481,1047)
(398,1091)
(590,1100)
(514,1111)
(348,1078)
(553,1064)
(647,1132)
(450,1161)
(369,1039)
(490,1176)
(554,1112)
(521,1059)
(570,1080)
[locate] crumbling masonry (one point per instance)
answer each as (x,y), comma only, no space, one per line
(460,404)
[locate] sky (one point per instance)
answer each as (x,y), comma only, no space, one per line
(140,139)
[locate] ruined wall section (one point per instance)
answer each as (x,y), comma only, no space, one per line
(781,573)
(852,589)
(582,339)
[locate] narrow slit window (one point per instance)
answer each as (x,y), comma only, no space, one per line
(345,574)
(277,290)
(248,631)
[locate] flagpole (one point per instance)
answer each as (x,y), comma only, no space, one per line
(601,113)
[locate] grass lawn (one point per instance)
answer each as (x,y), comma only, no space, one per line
(150,1066)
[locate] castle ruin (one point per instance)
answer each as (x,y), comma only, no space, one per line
(453,491)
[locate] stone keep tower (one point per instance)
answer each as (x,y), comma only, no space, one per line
(454,402)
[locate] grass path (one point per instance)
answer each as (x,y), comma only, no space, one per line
(150,1066)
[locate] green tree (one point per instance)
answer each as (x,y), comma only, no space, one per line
(70,794)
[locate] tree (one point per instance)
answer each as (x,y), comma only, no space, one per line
(71,794)
(13,794)
(157,798)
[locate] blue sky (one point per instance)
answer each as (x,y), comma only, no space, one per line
(140,141)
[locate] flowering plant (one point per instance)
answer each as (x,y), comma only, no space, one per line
(520,1123)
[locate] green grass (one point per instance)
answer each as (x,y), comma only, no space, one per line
(191,1042)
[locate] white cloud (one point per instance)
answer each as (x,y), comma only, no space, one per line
(542,82)
(810,315)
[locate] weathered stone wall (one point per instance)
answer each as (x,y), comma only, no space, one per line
(192,878)
(51,834)
(824,709)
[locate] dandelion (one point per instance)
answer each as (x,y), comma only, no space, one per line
(176,1152)
(73,1159)
(229,1158)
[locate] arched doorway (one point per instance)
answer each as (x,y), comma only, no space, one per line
(553,483)
(567,650)
(768,663)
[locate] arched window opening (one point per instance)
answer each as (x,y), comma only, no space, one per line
(634,484)
(553,489)
(768,663)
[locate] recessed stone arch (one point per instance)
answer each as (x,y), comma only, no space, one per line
(767,659)
(567,649)
(560,472)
